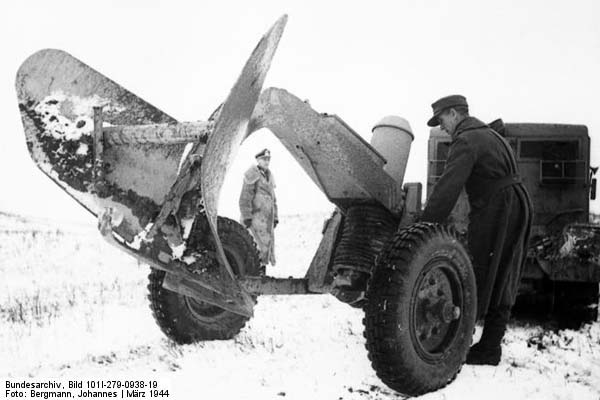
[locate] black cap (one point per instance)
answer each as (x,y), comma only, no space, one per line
(263,153)
(445,103)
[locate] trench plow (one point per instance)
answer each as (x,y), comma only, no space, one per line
(154,184)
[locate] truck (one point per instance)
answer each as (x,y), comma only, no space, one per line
(154,185)
(561,272)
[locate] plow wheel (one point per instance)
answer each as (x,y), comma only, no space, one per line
(186,320)
(421,309)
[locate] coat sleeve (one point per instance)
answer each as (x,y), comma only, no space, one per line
(459,165)
(275,210)
(247,194)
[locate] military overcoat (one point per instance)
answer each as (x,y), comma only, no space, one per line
(258,203)
(482,162)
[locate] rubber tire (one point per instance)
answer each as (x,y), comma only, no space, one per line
(392,351)
(171,311)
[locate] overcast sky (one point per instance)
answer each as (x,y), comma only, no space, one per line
(523,61)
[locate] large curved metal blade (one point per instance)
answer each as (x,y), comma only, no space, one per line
(232,124)
(57,94)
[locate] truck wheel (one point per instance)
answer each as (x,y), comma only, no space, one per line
(421,309)
(186,320)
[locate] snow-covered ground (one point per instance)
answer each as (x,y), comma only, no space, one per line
(72,307)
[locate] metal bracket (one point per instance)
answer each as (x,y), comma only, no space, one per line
(204,287)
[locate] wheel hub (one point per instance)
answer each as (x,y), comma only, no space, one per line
(436,308)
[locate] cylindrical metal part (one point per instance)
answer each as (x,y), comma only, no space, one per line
(166,134)
(270,286)
(392,137)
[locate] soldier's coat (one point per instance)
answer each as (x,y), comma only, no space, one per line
(499,220)
(258,203)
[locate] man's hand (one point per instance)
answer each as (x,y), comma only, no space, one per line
(248,222)
(275,223)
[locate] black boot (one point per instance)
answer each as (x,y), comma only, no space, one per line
(480,354)
(489,350)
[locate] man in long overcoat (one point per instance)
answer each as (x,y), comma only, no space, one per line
(482,162)
(258,206)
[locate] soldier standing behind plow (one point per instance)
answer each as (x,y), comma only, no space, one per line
(258,206)
(482,162)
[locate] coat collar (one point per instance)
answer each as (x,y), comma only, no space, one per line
(467,124)
(263,171)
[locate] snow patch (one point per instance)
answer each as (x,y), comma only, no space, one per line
(82,150)
(70,116)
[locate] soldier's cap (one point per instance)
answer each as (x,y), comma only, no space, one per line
(265,153)
(443,104)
